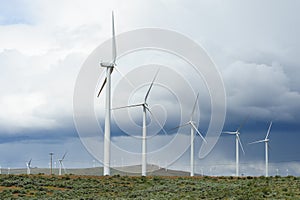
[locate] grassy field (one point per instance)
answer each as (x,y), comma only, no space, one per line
(153,187)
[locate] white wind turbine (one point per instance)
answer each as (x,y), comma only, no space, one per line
(28,165)
(144,132)
(266,140)
(61,165)
(193,127)
(237,144)
(109,69)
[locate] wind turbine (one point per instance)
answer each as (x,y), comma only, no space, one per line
(61,165)
(28,165)
(237,144)
(145,107)
(266,140)
(109,69)
(191,123)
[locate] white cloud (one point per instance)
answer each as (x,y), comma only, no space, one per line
(36,91)
(18,112)
(28,39)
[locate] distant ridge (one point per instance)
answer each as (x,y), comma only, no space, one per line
(134,170)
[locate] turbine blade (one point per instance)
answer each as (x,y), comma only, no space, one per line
(147,94)
(241,144)
(195,128)
(258,141)
(64,156)
(104,82)
(194,107)
(177,127)
(243,123)
(129,106)
(229,132)
(114,44)
(268,133)
(160,125)
(130,83)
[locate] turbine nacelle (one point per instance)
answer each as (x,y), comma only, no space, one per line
(145,105)
(107,64)
(232,132)
(191,122)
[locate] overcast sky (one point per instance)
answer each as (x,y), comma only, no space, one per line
(255,46)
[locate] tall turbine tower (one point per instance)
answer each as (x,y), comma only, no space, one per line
(266,140)
(109,69)
(193,127)
(144,132)
(237,144)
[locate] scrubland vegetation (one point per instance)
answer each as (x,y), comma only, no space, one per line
(155,187)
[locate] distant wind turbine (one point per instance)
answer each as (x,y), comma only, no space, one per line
(61,165)
(237,144)
(266,140)
(146,108)
(191,123)
(28,165)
